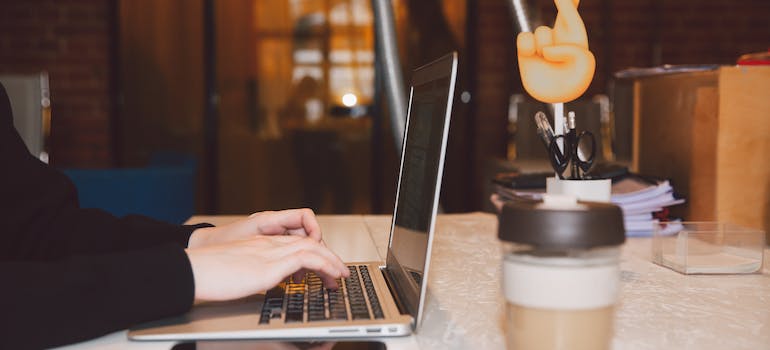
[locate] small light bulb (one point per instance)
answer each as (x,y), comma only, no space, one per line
(349,99)
(465,97)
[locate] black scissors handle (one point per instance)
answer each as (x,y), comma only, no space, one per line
(584,164)
(572,156)
(559,160)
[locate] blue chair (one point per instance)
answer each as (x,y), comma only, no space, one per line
(163,190)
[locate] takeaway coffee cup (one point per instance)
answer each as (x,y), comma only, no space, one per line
(560,272)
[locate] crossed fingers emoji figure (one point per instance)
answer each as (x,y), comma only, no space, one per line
(555,64)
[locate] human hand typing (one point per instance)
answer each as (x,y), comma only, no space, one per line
(241,268)
(297,222)
(555,64)
(254,254)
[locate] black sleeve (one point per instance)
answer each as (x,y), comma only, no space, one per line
(40,218)
(46,304)
(69,274)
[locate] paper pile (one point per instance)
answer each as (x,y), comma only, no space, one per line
(643,201)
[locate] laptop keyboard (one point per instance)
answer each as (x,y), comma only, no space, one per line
(309,301)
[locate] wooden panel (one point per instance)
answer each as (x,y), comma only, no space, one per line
(708,133)
(161,81)
(667,145)
(743,159)
(161,71)
(703,164)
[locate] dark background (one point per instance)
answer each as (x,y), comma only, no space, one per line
(78,42)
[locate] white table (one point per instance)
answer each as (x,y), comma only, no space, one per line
(658,309)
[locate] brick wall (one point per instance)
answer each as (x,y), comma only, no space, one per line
(70,39)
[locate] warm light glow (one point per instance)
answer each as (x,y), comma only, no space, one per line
(349,99)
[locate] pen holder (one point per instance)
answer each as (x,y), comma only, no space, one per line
(585,190)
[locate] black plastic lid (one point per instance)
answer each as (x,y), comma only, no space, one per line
(576,225)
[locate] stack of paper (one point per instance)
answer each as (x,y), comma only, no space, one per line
(640,200)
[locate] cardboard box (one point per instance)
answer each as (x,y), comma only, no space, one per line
(708,130)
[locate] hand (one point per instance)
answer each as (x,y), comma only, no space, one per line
(555,64)
(299,222)
(244,267)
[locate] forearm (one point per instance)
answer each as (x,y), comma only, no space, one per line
(60,302)
(95,231)
(75,231)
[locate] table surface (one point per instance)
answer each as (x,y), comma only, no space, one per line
(658,308)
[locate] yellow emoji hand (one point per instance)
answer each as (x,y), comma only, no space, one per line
(555,64)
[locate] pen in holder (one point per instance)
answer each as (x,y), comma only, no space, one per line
(573,163)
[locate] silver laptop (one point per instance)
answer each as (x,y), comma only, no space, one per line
(376,300)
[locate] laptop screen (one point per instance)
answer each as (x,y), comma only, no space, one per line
(420,179)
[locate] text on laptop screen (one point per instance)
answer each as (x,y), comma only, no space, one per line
(420,168)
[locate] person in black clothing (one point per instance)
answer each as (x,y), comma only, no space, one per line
(68,274)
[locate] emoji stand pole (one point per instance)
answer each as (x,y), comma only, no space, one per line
(558,121)
(555,63)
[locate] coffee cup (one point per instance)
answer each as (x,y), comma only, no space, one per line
(560,272)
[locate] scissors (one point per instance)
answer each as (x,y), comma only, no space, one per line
(573,155)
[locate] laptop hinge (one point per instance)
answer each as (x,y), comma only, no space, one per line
(389,281)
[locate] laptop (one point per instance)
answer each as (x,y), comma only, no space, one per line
(376,300)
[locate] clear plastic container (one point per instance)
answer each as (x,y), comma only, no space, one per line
(707,247)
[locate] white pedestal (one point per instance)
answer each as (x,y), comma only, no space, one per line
(584,190)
